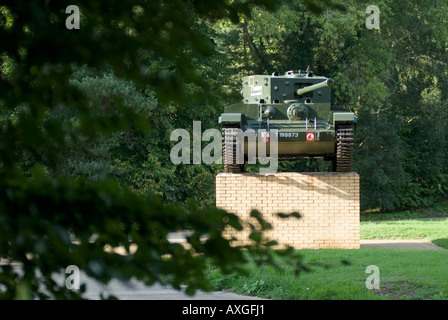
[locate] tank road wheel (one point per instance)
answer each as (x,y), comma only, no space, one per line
(229,135)
(343,161)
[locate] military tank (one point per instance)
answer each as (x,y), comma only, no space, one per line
(296,107)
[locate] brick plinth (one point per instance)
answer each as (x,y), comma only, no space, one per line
(327,202)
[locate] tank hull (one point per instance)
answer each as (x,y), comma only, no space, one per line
(293,142)
(290,150)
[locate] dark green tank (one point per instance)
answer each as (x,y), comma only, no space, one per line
(295,109)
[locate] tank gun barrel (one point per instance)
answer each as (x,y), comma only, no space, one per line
(327,83)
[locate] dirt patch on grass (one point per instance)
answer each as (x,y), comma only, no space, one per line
(403,290)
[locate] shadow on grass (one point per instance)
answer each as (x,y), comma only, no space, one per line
(403,290)
(442,242)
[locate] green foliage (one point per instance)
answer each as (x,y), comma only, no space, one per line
(84,145)
(46,215)
(86,116)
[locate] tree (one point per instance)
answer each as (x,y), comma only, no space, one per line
(51,216)
(392,78)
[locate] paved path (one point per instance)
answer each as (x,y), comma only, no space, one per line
(134,290)
(410,244)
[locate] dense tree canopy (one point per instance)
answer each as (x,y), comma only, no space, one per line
(86,116)
(393,78)
(85,121)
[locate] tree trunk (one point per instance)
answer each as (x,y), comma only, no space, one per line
(253,49)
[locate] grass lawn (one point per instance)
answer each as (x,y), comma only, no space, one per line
(404,274)
(435,231)
(439,210)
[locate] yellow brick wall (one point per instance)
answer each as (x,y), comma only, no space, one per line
(327,202)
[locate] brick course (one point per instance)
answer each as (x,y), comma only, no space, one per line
(327,202)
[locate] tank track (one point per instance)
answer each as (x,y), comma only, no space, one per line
(229,135)
(343,160)
(344,148)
